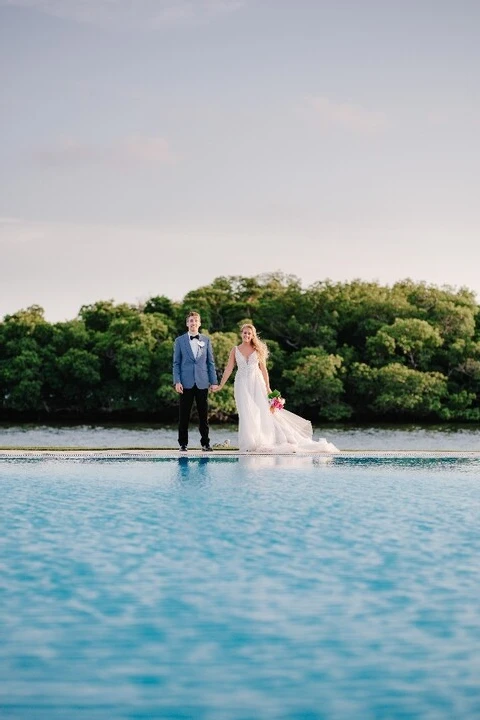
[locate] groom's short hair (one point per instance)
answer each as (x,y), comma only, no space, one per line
(193,313)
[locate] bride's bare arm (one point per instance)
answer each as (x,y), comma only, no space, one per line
(228,370)
(264,371)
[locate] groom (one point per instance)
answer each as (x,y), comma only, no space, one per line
(193,373)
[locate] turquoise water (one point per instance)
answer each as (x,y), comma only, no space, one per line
(240,588)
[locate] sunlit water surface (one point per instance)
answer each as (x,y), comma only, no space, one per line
(345,437)
(233,589)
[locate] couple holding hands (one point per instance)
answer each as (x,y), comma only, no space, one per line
(259,429)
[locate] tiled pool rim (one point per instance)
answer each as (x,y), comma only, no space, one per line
(168,454)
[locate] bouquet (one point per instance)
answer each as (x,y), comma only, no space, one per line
(276,401)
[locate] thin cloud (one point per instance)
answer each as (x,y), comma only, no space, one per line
(126,14)
(8,220)
(15,231)
(346,116)
(135,151)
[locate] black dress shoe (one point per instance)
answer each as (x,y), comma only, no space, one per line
(183,448)
(207,448)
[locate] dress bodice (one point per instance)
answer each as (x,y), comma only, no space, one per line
(246,365)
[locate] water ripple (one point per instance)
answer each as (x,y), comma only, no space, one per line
(224,590)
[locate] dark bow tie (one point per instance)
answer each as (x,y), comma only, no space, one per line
(194,337)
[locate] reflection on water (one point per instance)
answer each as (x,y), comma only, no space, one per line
(283,461)
(189,468)
(198,466)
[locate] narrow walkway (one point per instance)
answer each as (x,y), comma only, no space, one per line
(169,454)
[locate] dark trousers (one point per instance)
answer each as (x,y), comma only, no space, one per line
(185,409)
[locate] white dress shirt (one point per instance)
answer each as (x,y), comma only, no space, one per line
(194,346)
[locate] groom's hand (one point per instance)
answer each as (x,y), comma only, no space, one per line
(213,388)
(179,388)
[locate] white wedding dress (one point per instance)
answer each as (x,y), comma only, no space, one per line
(260,430)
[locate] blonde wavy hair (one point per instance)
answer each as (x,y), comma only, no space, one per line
(258,345)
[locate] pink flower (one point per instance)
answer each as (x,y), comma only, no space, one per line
(276,401)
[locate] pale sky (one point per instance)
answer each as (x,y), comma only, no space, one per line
(149,146)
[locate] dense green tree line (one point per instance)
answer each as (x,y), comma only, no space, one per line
(338,351)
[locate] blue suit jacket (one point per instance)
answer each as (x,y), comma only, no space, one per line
(190,371)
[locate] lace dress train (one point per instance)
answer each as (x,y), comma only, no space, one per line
(260,430)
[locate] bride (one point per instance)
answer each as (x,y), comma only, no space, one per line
(260,429)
